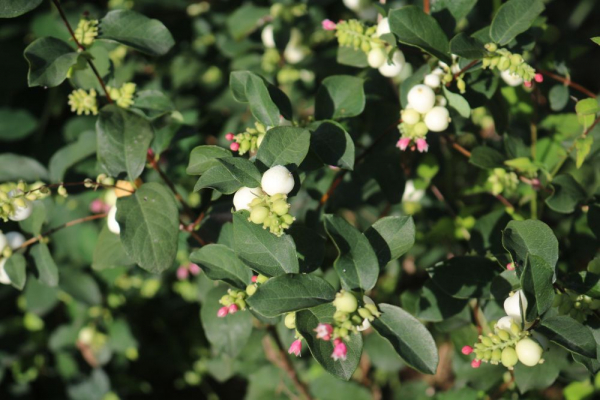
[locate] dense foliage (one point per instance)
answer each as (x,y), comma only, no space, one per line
(299,199)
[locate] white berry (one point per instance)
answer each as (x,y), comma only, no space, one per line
(377,57)
(20,213)
(421,98)
(13,239)
(393,70)
(267,37)
(505,323)
(511,79)
(3,241)
(244,196)
(4,279)
(512,306)
(383,27)
(440,101)
(411,193)
(432,80)
(111,221)
(277,179)
(529,352)
(354,5)
(437,119)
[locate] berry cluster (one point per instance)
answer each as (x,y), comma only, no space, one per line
(501,180)
(508,63)
(248,141)
(354,33)
(232,302)
(82,102)
(578,306)
(86,31)
(16,199)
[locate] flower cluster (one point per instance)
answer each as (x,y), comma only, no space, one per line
(508,63)
(16,199)
(123,96)
(421,116)
(501,180)
(578,306)
(86,31)
(83,102)
(268,204)
(248,141)
(232,302)
(354,33)
(187,269)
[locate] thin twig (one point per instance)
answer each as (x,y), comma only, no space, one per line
(567,82)
(465,69)
(426,6)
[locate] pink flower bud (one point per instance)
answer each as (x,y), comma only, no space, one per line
(182,273)
(296,348)
(539,78)
(339,351)
(324,331)
(467,350)
(476,363)
(194,269)
(223,311)
(422,145)
(229,136)
(98,206)
(328,25)
(527,84)
(510,266)
(254,278)
(233,309)
(403,143)
(235,146)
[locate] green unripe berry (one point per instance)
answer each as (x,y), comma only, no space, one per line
(340,316)
(287,218)
(363,312)
(496,355)
(487,341)
(487,354)
(509,357)
(280,207)
(420,129)
(503,335)
(491,47)
(290,320)
(250,290)
(259,214)
(244,146)
(516,60)
(495,338)
(345,302)
(261,278)
(515,329)
(373,309)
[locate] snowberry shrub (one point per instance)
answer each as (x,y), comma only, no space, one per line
(299,199)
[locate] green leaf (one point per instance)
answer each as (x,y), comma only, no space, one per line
(245,19)
(227,335)
(596,40)
(513,18)
(284,145)
(522,164)
(71,154)
(486,158)
(153,103)
(333,145)
(14,167)
(457,102)
(340,96)
(391,238)
(583,146)
(46,267)
(465,277)
(149,221)
(219,262)
(137,31)
(356,264)
(310,247)
(203,158)
(109,252)
(230,175)
(584,282)
(413,27)
(586,111)
(567,194)
(321,350)
(82,287)
(352,57)
(247,87)
(536,281)
(16,124)
(570,334)
(531,237)
(123,138)
(36,220)
(261,250)
(49,61)
(435,305)
(411,340)
(83,76)
(290,292)
(15,268)
(558,97)
(458,8)
(467,47)
(14,8)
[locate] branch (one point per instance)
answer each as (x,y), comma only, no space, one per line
(426,6)
(568,82)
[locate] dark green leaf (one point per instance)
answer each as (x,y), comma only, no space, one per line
(36,220)
(219,262)
(250,88)
(458,103)
(14,8)
(284,145)
(71,154)
(49,61)
(230,175)
(584,282)
(202,158)
(245,19)
(467,47)
(16,124)
(435,305)
(567,194)
(536,281)
(458,8)
(521,238)
(486,158)
(340,96)
(513,18)
(46,267)
(570,334)
(109,252)
(350,56)
(310,247)
(15,268)
(14,167)
(333,145)
(153,103)
(558,97)
(82,287)
(465,277)
(391,238)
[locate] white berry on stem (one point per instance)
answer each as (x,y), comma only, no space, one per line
(244,196)
(437,119)
(421,98)
(277,180)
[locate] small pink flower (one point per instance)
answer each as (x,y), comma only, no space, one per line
(510,266)
(194,269)
(422,145)
(229,136)
(527,84)
(324,331)
(182,273)
(223,311)
(467,350)
(254,278)
(539,78)
(536,184)
(235,146)
(328,25)
(98,206)
(232,309)
(339,351)
(476,363)
(296,348)
(403,143)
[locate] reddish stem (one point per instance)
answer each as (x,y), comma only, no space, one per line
(568,82)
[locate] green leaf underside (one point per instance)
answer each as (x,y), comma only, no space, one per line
(570,334)
(15,268)
(46,267)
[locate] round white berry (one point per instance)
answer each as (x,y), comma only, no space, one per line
(513,307)
(437,119)
(20,213)
(277,179)
(244,196)
(511,79)
(432,80)
(377,57)
(393,70)
(411,193)
(4,279)
(3,241)
(14,240)
(111,221)
(529,352)
(293,54)
(440,101)
(354,5)
(421,98)
(267,37)
(383,27)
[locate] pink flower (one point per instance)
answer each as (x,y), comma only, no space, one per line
(340,350)
(182,273)
(510,266)
(324,331)
(223,311)
(539,78)
(422,145)
(403,143)
(194,269)
(98,206)
(235,146)
(254,278)
(527,84)
(467,350)
(229,136)
(476,363)
(328,25)
(233,309)
(296,348)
